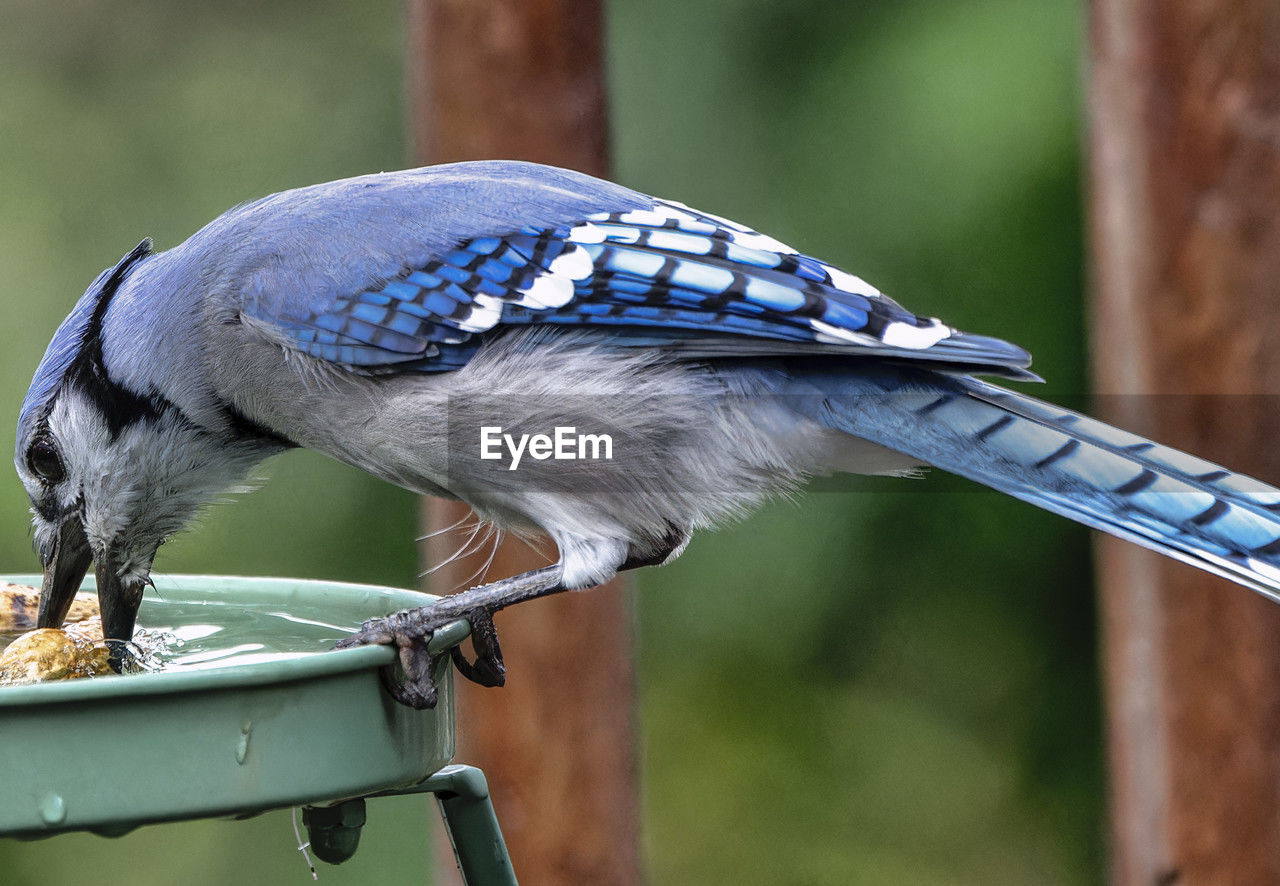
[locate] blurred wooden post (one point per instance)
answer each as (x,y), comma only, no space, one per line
(1185,176)
(524,79)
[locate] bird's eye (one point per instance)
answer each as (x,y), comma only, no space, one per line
(45,463)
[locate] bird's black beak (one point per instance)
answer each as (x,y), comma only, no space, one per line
(119,601)
(63,572)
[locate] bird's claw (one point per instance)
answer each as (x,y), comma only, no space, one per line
(418,689)
(488,668)
(410,631)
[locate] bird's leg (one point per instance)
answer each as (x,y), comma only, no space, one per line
(411,629)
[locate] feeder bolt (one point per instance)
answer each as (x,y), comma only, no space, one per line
(334,831)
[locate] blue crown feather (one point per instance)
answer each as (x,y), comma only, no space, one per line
(68,343)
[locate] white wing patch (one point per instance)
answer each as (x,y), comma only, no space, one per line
(916,338)
(486,311)
(546,291)
(756,240)
(834,335)
(553,288)
(849,283)
(586,233)
(574,263)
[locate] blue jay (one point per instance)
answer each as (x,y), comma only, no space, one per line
(419,324)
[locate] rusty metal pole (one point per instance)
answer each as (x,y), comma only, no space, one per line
(524,79)
(1185,181)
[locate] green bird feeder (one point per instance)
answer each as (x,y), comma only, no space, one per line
(254,712)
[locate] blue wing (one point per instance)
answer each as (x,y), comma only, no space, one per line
(665,276)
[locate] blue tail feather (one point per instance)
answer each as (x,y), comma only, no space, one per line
(1067,463)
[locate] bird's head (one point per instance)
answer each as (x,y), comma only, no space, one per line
(112,468)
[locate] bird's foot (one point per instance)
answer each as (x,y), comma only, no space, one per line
(410,631)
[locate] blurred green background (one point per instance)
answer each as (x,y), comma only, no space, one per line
(895,684)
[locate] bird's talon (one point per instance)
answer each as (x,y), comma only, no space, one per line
(488,668)
(482,671)
(420,695)
(418,690)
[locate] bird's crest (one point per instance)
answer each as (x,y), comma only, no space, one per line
(77,345)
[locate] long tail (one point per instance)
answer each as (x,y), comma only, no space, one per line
(1064,462)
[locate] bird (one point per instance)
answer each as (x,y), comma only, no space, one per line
(571,358)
